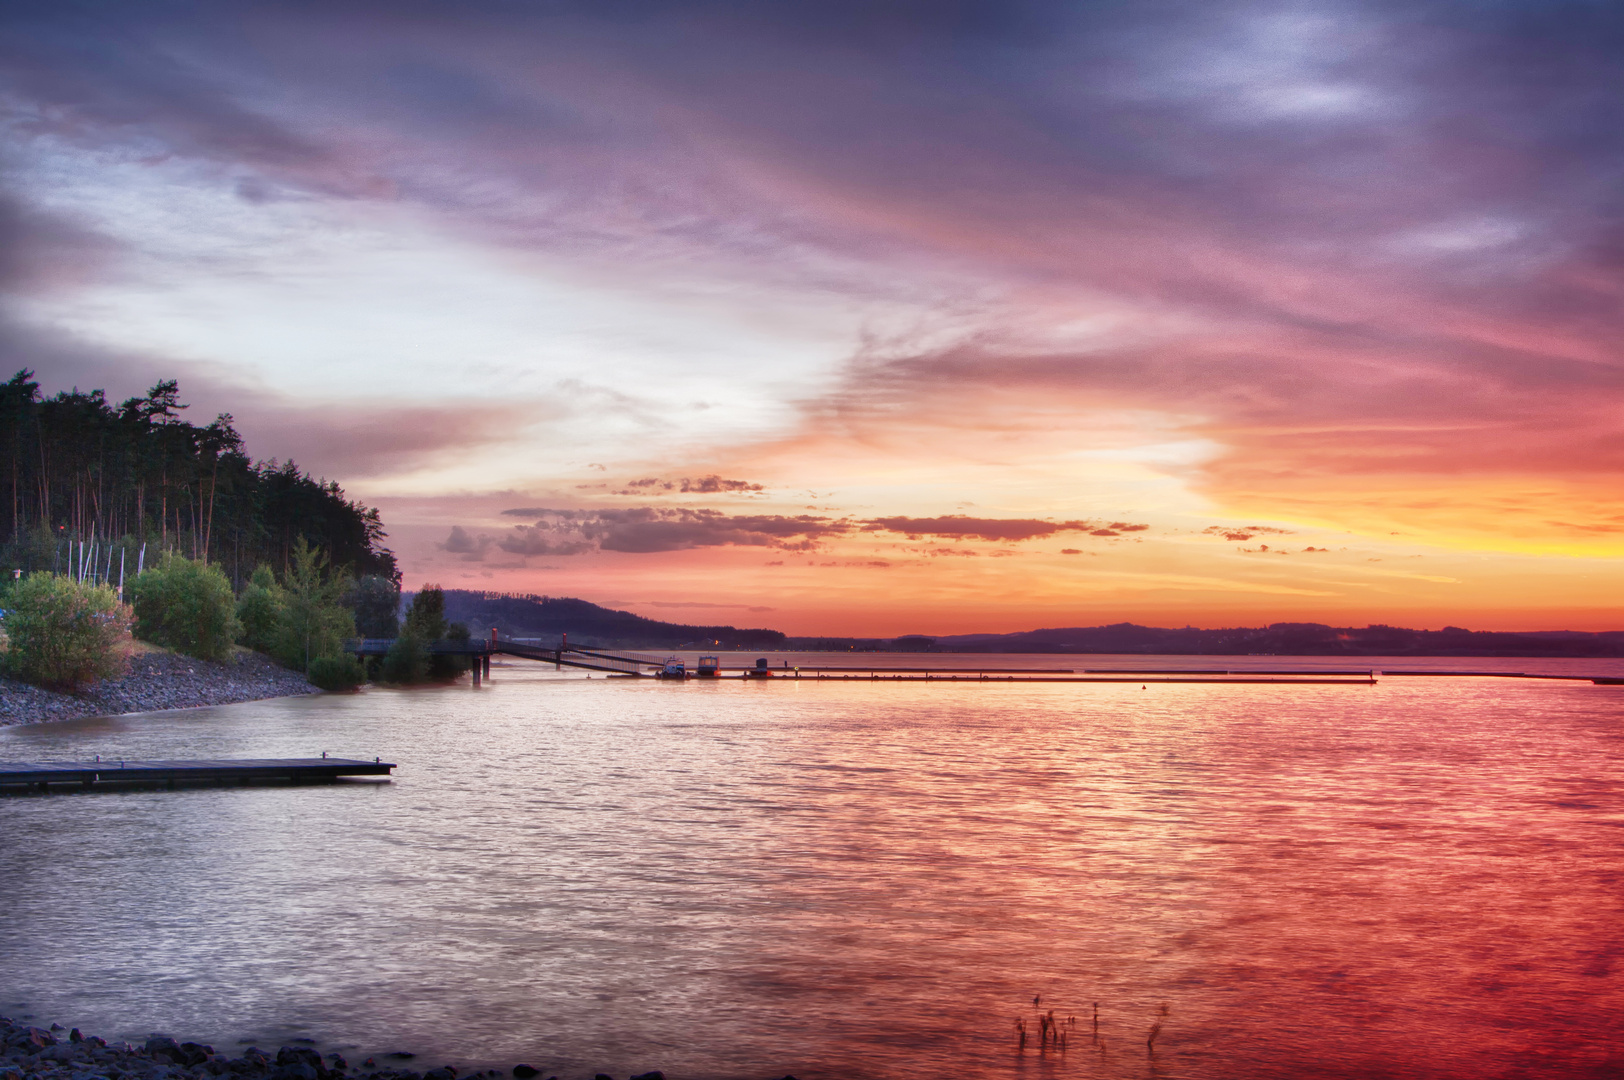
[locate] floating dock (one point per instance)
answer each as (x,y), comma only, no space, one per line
(112,772)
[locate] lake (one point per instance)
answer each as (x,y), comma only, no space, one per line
(856,879)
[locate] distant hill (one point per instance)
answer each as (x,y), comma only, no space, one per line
(588,624)
(1292,639)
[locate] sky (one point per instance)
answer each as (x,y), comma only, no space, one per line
(869,318)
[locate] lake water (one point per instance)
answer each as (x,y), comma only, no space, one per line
(1421,878)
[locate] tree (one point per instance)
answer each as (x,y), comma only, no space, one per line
(75,467)
(314,623)
(65,634)
(426,616)
(259,610)
(187,605)
(375,600)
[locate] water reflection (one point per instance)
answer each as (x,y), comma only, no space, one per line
(842,879)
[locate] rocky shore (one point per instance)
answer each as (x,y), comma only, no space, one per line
(156,680)
(32,1053)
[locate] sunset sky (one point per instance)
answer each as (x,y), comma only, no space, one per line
(868,317)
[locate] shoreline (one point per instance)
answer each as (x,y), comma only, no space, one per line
(157,680)
(55,1053)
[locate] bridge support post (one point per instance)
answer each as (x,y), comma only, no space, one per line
(473,670)
(485,662)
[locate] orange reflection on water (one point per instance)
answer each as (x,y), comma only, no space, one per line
(1415,879)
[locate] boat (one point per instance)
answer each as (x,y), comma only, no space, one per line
(708,666)
(759,671)
(674,669)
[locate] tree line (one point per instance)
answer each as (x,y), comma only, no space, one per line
(78,470)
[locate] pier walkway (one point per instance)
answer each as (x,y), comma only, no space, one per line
(90,774)
(645,665)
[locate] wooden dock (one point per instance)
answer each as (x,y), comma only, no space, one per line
(21,775)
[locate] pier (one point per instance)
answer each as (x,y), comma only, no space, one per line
(40,775)
(633,665)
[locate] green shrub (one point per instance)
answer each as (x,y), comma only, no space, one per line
(186,605)
(259,610)
(407,660)
(337,672)
(65,634)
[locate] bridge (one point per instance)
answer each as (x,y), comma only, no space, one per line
(480,651)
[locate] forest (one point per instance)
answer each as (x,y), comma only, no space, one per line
(84,478)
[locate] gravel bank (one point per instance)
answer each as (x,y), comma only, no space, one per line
(31,1053)
(157,680)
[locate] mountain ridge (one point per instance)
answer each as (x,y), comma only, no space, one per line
(535,615)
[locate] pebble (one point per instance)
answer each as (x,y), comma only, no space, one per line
(155,681)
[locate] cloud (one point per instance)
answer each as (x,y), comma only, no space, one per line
(1353,257)
(704,604)
(650,529)
(1245,532)
(353,440)
(528,540)
(471,548)
(41,251)
(962,527)
(705,485)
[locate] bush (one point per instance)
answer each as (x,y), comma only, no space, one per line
(407,660)
(337,672)
(188,606)
(259,610)
(65,634)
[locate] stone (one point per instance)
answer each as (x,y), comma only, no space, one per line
(163,1044)
(444,1073)
(291,1056)
(655,1075)
(191,1053)
(525,1072)
(74,1036)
